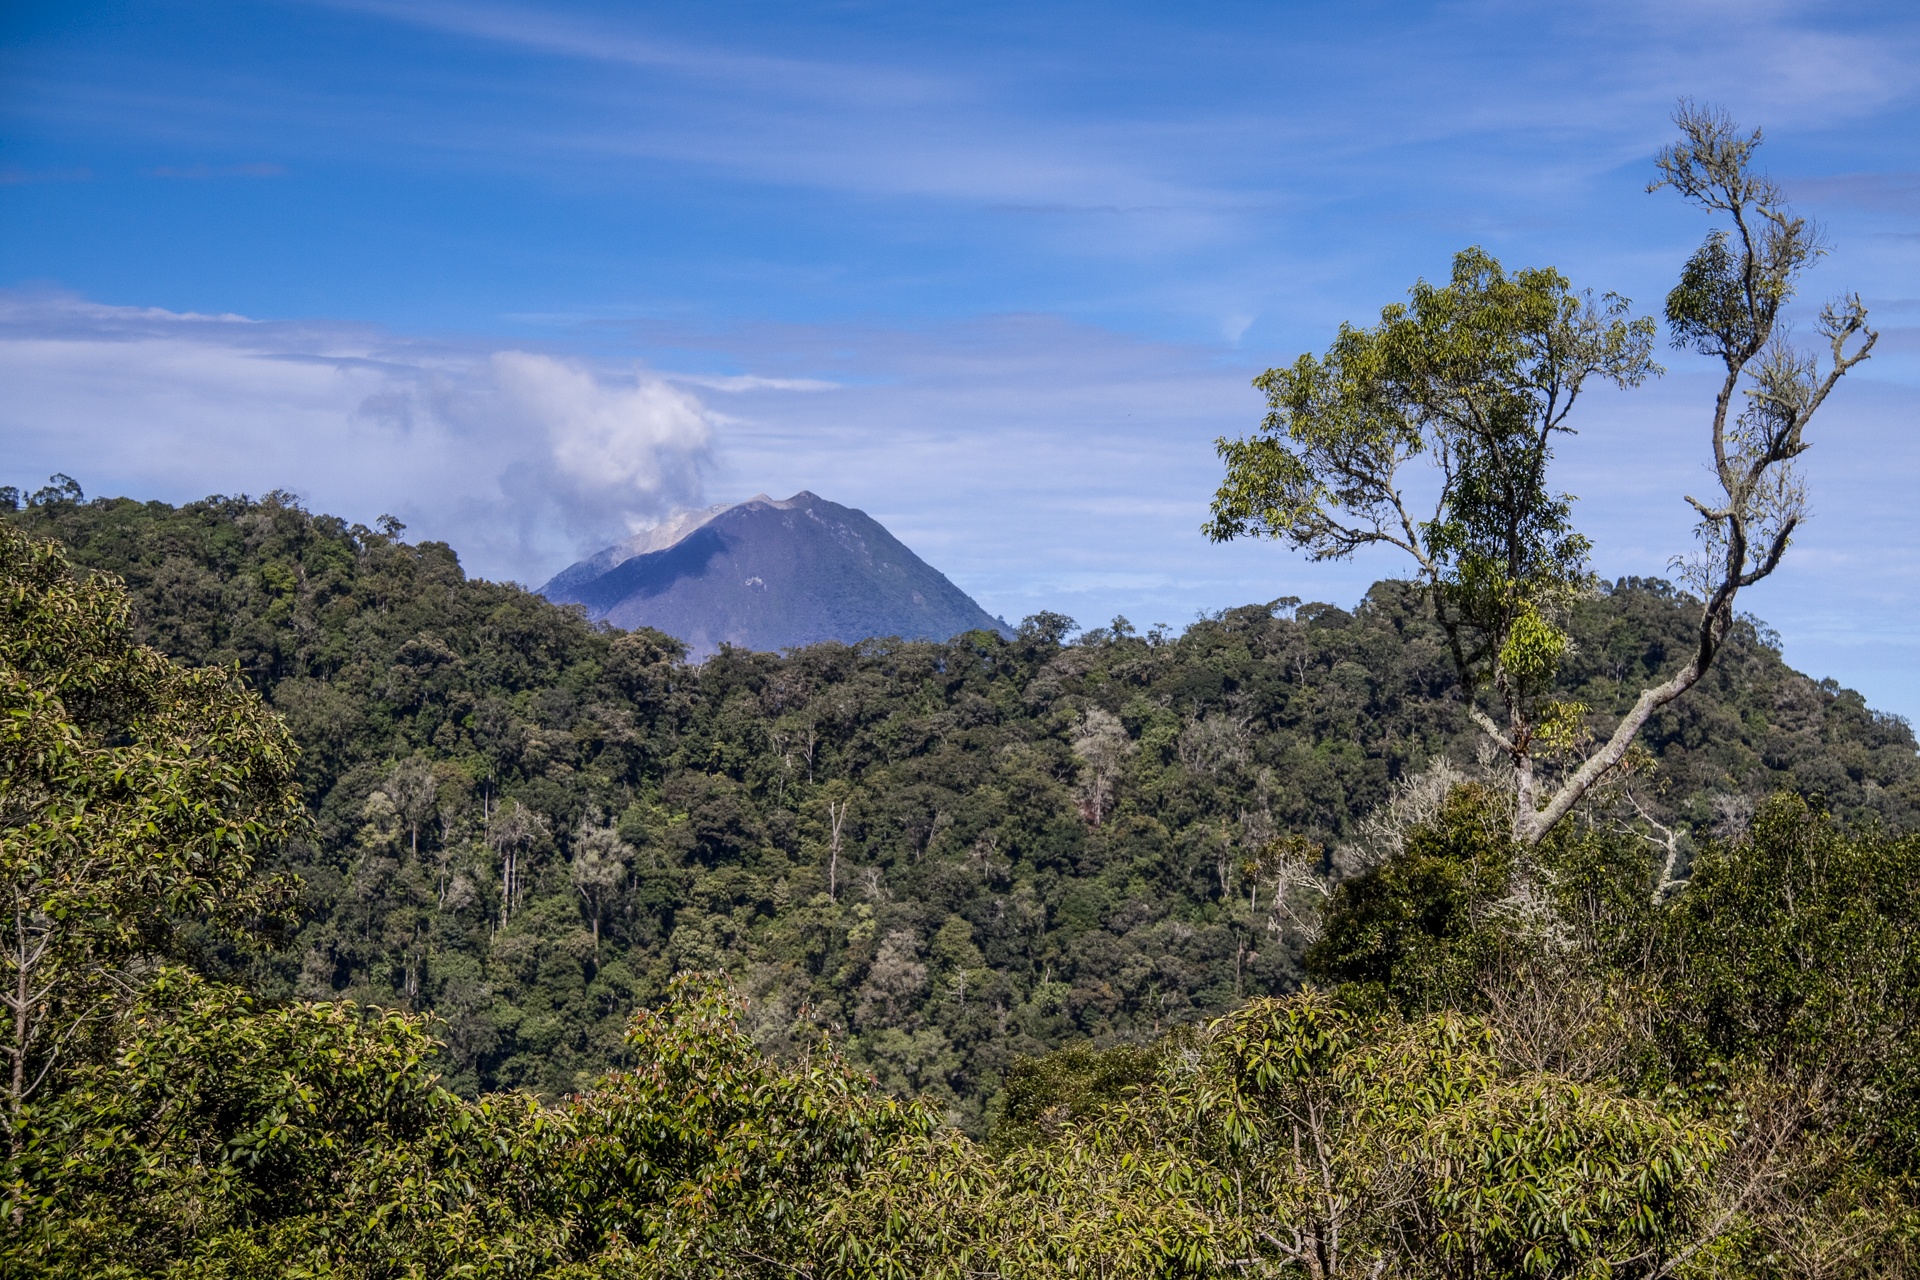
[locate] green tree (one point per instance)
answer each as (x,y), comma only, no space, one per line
(1772,996)
(217,1127)
(135,795)
(1421,925)
(1477,377)
(1796,950)
(1299,1137)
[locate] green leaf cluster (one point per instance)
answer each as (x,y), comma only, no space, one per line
(1477,374)
(138,798)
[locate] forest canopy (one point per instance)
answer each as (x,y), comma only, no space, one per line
(1039,841)
(1204,954)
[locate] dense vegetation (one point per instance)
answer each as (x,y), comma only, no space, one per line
(1680,1037)
(526,825)
(1519,1062)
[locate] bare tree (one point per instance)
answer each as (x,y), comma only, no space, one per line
(1302,885)
(1727,305)
(414,790)
(837,820)
(600,862)
(1102,744)
(511,831)
(1415,802)
(896,976)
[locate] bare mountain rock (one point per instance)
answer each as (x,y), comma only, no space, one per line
(770,575)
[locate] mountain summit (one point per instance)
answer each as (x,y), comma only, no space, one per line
(770,575)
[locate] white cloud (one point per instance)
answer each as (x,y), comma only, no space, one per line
(618,452)
(519,459)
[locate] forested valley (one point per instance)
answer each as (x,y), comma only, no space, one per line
(527,948)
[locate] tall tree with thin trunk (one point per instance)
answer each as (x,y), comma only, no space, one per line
(1477,378)
(838,798)
(414,790)
(511,831)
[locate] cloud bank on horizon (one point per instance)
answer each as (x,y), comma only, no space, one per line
(529,276)
(517,456)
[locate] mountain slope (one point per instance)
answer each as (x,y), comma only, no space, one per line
(575,577)
(769,575)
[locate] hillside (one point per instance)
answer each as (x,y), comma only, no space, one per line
(770,575)
(1043,840)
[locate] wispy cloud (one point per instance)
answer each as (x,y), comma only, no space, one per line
(30,177)
(204,171)
(1161,134)
(553,32)
(752,382)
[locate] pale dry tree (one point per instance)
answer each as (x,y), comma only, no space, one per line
(1102,745)
(512,830)
(414,791)
(599,868)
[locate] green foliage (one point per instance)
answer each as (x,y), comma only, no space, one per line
(214,1126)
(1300,1137)
(1310,1135)
(136,799)
(1420,926)
(1774,997)
(1043,1094)
(1480,373)
(225,1139)
(1797,952)
(1047,842)
(1537,1066)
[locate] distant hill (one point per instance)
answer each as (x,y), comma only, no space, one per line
(767,575)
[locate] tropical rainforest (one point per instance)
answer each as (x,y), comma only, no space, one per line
(372,920)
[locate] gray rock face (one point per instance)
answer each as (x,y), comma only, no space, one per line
(770,575)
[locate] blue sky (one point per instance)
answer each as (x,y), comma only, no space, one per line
(528,276)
